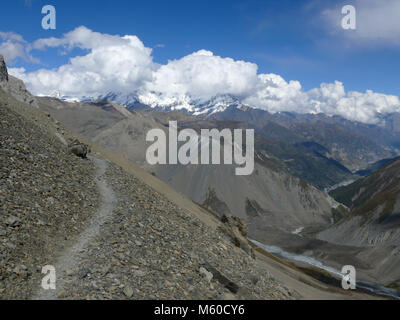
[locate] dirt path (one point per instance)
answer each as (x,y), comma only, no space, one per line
(69,258)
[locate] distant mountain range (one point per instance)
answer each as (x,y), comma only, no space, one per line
(353,144)
(218,103)
(349,146)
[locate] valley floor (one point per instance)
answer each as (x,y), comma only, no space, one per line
(308,287)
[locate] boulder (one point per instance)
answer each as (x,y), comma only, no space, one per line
(206,274)
(235,222)
(79,149)
(221,278)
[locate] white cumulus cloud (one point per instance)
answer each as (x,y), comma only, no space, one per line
(13,46)
(332,99)
(274,94)
(113,63)
(200,76)
(123,64)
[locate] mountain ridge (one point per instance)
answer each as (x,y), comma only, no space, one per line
(368,143)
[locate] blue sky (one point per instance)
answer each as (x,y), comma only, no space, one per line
(283,37)
(293,39)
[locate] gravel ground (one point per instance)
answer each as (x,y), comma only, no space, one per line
(109,235)
(46,197)
(68,260)
(151,249)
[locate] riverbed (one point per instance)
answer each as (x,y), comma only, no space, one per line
(293,257)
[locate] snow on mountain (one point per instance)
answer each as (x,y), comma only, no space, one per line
(177,103)
(195,106)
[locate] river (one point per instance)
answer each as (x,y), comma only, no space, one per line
(372,287)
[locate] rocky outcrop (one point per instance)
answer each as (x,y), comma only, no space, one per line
(79,149)
(15,86)
(236,230)
(212,273)
(3,70)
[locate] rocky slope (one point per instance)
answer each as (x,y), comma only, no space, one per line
(119,237)
(269,197)
(146,251)
(111,229)
(15,86)
(46,195)
(374,206)
(376,166)
(266,198)
(373,223)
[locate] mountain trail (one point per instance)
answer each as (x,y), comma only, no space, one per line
(69,259)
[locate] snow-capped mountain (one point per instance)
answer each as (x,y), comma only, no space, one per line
(127,100)
(184,103)
(69,98)
(206,107)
